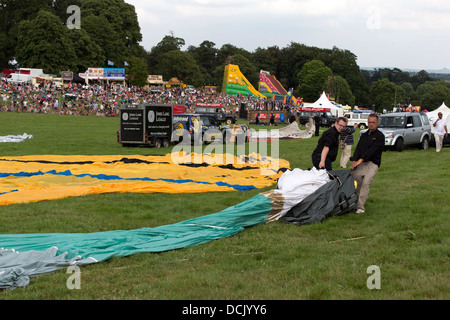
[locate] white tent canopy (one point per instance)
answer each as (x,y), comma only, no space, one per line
(323,102)
(433,115)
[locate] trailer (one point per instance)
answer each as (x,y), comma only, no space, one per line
(145,124)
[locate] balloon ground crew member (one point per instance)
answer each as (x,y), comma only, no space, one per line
(328,145)
(366,160)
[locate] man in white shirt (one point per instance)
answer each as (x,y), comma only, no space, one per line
(440,129)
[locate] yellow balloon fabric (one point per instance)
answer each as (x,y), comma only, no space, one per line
(46,177)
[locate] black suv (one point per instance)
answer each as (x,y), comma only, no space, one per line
(217,111)
(326,118)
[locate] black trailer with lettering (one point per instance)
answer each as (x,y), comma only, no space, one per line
(145,124)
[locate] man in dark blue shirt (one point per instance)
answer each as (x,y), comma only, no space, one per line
(347,139)
(328,145)
(366,160)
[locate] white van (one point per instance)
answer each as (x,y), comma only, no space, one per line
(359,118)
(19,78)
(190,89)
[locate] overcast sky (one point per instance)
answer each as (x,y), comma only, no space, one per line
(407,34)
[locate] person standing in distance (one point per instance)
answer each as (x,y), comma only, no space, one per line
(328,145)
(272,119)
(366,160)
(347,139)
(440,130)
(317,122)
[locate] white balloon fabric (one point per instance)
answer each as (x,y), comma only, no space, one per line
(16,138)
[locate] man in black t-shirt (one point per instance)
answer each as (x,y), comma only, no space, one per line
(366,160)
(328,145)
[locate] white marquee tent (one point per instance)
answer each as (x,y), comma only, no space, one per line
(323,102)
(433,115)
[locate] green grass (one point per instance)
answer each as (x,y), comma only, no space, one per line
(404,231)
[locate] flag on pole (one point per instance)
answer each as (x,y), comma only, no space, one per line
(110,63)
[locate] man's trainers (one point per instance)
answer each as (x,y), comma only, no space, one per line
(360,211)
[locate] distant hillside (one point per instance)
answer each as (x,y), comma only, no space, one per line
(443,74)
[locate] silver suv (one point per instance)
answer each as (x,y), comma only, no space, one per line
(405,129)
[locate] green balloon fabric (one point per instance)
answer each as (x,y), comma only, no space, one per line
(87,248)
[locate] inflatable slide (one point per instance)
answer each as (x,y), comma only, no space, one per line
(270,86)
(234,82)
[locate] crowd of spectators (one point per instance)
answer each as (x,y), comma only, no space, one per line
(105,100)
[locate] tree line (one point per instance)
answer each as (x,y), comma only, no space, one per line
(34,33)
(308,70)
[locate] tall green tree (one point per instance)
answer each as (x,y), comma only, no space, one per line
(339,89)
(292,59)
(312,78)
(343,63)
(167,44)
(87,52)
(385,94)
(109,31)
(425,87)
(435,97)
(60,8)
(43,43)
(206,57)
(229,50)
(409,92)
(419,78)
(102,33)
(179,64)
(120,20)
(137,71)
(12,12)
(267,59)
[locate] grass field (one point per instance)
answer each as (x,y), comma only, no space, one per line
(405,230)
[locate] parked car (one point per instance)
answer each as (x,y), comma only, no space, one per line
(303,116)
(405,129)
(217,111)
(190,89)
(213,130)
(326,118)
(201,128)
(358,117)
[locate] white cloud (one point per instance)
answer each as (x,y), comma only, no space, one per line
(146,16)
(370,28)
